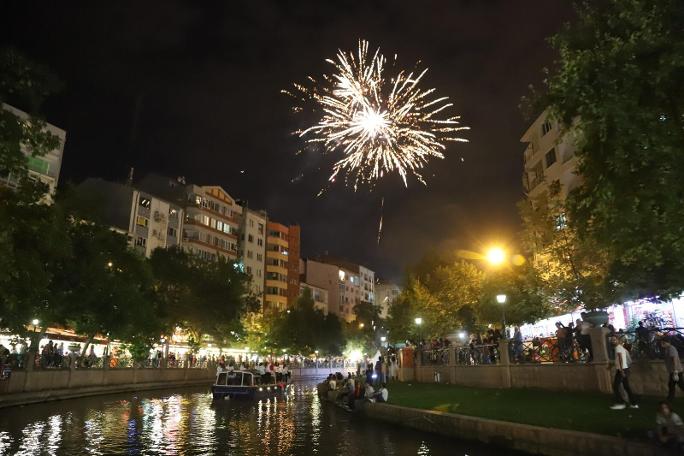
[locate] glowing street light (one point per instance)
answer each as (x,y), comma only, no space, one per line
(361,325)
(501,299)
(495,256)
(35,322)
(383,339)
(419,321)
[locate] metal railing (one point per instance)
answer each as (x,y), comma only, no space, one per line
(475,355)
(550,350)
(435,357)
(644,344)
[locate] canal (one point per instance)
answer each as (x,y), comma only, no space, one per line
(187,422)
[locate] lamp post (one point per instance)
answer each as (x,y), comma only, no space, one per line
(419,321)
(501,299)
(495,256)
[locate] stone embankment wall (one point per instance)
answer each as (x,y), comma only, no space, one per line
(523,437)
(25,387)
(646,377)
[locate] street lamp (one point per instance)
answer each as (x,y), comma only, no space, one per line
(361,325)
(419,321)
(383,339)
(495,256)
(35,322)
(501,299)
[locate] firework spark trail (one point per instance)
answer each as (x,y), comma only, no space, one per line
(380,124)
(382,213)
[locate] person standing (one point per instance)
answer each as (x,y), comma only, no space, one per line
(622,364)
(675,376)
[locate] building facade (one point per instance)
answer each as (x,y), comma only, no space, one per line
(386,294)
(149,222)
(348,284)
(212,223)
(282,266)
(319,295)
(548,158)
(45,168)
(253,249)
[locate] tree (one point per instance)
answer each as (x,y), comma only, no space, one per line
(619,88)
(400,319)
(32,238)
(201,297)
(305,329)
(103,287)
(571,270)
(445,296)
(525,300)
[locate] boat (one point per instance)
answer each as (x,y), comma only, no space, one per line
(245,384)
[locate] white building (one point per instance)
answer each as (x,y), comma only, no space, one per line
(148,221)
(549,157)
(319,295)
(386,294)
(253,249)
(45,168)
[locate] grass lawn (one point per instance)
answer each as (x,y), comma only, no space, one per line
(588,412)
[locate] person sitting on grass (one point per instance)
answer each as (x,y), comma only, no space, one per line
(382,394)
(368,391)
(670,428)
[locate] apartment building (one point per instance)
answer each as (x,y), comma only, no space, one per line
(386,294)
(149,222)
(348,284)
(45,168)
(282,266)
(548,158)
(252,249)
(319,295)
(212,220)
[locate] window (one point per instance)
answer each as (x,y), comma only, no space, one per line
(144,202)
(546,127)
(550,157)
(249,270)
(141,241)
(250,238)
(260,257)
(250,254)
(260,242)
(142,221)
(251,223)
(259,273)
(173,212)
(171,232)
(261,228)
(219,225)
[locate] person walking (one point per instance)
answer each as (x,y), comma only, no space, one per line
(675,376)
(622,365)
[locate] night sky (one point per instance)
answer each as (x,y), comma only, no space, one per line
(192,88)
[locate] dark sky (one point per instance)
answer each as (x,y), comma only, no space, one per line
(193,88)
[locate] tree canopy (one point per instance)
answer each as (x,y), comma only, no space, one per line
(619,87)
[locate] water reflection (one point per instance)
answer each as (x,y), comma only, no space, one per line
(160,423)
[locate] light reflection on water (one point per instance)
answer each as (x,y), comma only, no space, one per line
(188,422)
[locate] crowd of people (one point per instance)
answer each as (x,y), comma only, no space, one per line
(269,371)
(370,386)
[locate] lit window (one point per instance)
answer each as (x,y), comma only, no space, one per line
(142,221)
(144,202)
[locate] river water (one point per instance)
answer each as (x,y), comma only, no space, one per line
(186,422)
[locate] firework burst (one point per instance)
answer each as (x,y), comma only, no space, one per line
(380,123)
